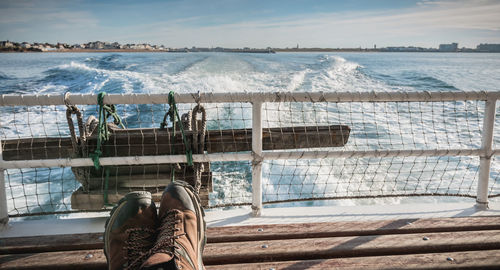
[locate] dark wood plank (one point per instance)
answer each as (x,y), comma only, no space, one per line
(72,260)
(94,200)
(268,232)
(350,228)
(61,242)
(139,176)
(352,246)
(131,142)
(290,252)
(484,259)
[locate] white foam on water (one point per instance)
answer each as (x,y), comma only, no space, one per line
(231,73)
(297,80)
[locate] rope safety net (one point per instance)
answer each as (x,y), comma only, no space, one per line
(355,131)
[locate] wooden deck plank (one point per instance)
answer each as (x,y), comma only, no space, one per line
(72,260)
(95,259)
(64,242)
(352,246)
(294,249)
(268,232)
(484,259)
(350,228)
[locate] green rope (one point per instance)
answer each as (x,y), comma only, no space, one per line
(175,113)
(105,111)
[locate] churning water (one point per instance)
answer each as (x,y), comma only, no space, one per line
(57,73)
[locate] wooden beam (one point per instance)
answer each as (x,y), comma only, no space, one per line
(71,260)
(434,259)
(268,232)
(487,259)
(350,228)
(133,142)
(94,199)
(139,176)
(62,242)
(352,246)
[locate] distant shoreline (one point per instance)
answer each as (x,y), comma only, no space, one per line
(90,50)
(230,51)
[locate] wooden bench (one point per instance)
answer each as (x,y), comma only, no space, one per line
(444,243)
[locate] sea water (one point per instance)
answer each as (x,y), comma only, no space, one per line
(57,73)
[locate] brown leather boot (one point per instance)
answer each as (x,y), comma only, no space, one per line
(130,231)
(181,236)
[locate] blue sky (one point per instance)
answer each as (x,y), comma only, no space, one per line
(232,23)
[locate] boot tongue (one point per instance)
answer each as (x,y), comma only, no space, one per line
(157,258)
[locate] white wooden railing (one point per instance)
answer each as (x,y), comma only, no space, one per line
(485,152)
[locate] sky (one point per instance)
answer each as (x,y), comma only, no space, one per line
(254,23)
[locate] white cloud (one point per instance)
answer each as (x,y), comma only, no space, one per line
(47,15)
(430,19)
(426,24)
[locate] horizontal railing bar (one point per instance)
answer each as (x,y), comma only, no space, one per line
(165,159)
(370,153)
(131,160)
(91,99)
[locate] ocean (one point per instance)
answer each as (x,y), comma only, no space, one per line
(48,73)
(57,73)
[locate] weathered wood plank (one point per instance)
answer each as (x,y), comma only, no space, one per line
(71,260)
(484,259)
(139,176)
(352,246)
(63,242)
(94,200)
(268,232)
(351,228)
(130,142)
(317,249)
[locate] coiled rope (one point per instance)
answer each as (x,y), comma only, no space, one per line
(188,122)
(199,133)
(70,110)
(173,113)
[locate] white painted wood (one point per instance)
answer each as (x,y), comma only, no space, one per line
(257,159)
(274,155)
(130,160)
(485,158)
(4,213)
(91,99)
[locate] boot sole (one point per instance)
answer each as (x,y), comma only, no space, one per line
(136,195)
(202,226)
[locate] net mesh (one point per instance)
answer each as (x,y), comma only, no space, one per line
(40,132)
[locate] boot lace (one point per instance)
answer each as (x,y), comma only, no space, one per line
(165,242)
(137,246)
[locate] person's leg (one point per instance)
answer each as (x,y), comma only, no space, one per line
(181,235)
(130,231)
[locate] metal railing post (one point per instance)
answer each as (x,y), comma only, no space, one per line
(485,158)
(257,158)
(4,214)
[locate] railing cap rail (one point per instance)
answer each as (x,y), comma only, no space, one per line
(211,97)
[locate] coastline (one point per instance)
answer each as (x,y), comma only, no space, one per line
(91,51)
(278,50)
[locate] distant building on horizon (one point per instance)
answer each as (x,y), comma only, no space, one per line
(453,47)
(485,47)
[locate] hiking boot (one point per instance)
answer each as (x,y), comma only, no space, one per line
(181,235)
(130,231)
